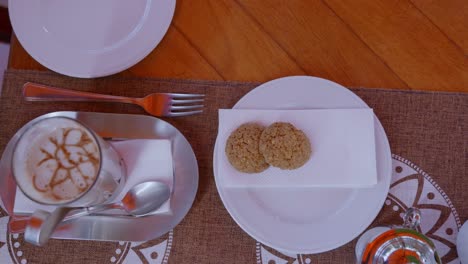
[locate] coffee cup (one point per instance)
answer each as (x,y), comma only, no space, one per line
(60,161)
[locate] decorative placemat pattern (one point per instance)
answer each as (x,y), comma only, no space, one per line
(410,187)
(427,132)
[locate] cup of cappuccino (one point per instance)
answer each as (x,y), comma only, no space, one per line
(58,161)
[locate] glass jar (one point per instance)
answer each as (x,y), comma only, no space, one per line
(397,244)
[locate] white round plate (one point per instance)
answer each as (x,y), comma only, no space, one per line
(308,220)
(89,38)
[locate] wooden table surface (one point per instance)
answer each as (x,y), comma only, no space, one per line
(401,44)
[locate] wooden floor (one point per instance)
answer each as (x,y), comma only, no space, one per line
(402,44)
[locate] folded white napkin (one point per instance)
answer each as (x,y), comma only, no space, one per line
(343,148)
(146,160)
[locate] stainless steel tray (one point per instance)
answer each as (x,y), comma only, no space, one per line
(121,228)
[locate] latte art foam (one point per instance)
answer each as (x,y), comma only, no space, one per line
(60,163)
(68,165)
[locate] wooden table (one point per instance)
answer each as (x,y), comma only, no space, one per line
(401,44)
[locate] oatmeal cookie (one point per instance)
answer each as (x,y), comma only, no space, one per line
(242,149)
(284,146)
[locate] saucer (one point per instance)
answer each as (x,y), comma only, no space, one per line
(118,127)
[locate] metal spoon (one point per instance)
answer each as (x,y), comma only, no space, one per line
(140,200)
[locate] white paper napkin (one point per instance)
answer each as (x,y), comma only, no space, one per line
(343,148)
(146,160)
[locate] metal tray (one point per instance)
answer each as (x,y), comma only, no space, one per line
(121,228)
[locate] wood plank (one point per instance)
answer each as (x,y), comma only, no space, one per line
(174,57)
(409,43)
(451,16)
(232,42)
(321,43)
(20,59)
(245,42)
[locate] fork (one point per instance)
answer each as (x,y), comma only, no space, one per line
(157,104)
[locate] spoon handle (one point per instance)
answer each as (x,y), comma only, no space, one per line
(82,211)
(18,224)
(42,224)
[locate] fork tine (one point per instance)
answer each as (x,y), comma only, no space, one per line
(184,113)
(185,107)
(182,96)
(187,101)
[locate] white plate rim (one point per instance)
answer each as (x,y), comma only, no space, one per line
(139,52)
(384,170)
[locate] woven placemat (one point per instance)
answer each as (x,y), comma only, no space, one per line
(427,132)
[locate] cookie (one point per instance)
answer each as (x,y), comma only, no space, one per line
(284,146)
(242,149)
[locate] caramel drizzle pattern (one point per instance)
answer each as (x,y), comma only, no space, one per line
(85,139)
